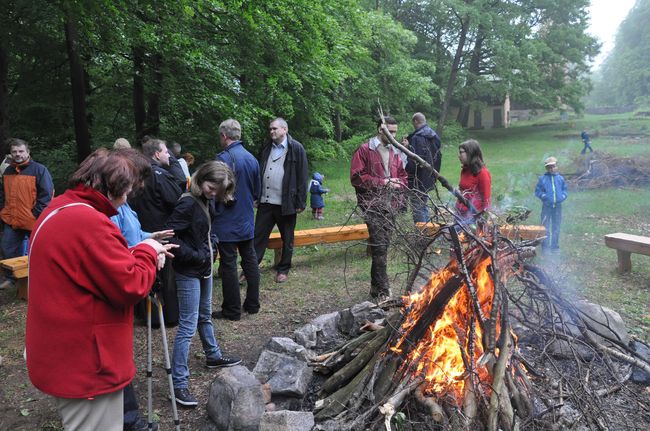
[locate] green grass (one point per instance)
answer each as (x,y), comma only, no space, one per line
(515,157)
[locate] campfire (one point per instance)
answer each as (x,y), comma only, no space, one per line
(451,353)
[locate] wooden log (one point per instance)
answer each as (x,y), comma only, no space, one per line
(512,232)
(352,368)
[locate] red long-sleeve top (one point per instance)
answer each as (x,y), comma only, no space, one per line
(476,188)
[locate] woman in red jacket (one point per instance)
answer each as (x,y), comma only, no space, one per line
(475,181)
(83,283)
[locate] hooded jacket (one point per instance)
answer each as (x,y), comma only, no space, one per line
(317,191)
(83,283)
(425,143)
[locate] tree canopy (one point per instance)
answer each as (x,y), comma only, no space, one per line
(624,78)
(75,75)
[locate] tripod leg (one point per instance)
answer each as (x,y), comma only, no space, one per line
(168,366)
(149,368)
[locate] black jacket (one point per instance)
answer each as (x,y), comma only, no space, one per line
(197,244)
(296,171)
(155,203)
(425,143)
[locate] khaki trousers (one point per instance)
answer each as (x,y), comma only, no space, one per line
(101,413)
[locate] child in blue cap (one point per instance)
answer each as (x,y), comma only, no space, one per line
(317,191)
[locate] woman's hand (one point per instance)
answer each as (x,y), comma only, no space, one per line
(162,236)
(162,250)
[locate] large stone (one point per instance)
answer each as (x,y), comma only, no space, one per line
(354,317)
(607,324)
(640,375)
(285,374)
(235,402)
(289,347)
(286,420)
(320,333)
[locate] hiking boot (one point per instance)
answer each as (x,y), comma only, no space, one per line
(222,362)
(141,425)
(185,398)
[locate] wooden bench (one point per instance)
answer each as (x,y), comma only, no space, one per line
(321,235)
(334,234)
(626,244)
(18,267)
(518,232)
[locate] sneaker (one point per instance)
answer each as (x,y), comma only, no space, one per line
(141,425)
(222,362)
(185,398)
(281,278)
(6,284)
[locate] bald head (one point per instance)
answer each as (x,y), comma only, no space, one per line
(121,143)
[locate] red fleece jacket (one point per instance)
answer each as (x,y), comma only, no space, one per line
(83,282)
(476,188)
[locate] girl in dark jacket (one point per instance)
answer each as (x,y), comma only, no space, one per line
(191,222)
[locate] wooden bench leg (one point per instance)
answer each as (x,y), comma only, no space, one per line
(624,261)
(21,288)
(277,256)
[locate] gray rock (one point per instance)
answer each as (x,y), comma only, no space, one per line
(564,349)
(289,347)
(235,402)
(639,375)
(604,322)
(320,332)
(286,420)
(285,374)
(354,317)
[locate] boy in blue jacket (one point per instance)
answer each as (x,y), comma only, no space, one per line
(551,190)
(317,191)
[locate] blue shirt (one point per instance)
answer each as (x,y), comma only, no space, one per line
(127,221)
(236,223)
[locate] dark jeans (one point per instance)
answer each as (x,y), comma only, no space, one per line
(586,147)
(231,306)
(131,413)
(267,217)
(13,245)
(418,200)
(552,219)
(380,229)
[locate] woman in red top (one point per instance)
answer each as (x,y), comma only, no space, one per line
(83,283)
(475,180)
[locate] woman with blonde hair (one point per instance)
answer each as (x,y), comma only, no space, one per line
(191,222)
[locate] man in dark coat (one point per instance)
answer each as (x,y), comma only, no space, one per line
(235,225)
(154,204)
(283,163)
(425,143)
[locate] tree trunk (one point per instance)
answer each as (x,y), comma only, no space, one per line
(4,98)
(139,110)
(78,86)
(453,74)
(153,105)
(474,70)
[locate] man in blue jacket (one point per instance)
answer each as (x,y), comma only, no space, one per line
(552,191)
(424,142)
(235,225)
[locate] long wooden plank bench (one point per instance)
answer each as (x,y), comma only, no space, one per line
(321,235)
(626,244)
(512,232)
(19,269)
(335,234)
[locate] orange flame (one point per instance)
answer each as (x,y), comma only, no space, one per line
(439,356)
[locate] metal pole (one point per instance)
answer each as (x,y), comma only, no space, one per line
(168,368)
(149,368)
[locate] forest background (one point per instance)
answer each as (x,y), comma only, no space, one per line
(75,75)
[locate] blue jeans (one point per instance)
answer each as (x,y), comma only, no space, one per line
(14,244)
(552,219)
(194,311)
